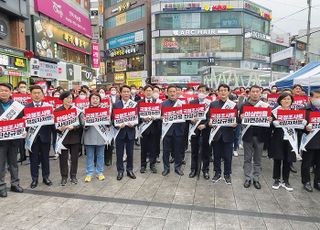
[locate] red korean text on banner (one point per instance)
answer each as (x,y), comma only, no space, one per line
(105,103)
(81,103)
(152,110)
(38,116)
(223,117)
(194,111)
(66,118)
(272,99)
(125,116)
(12,129)
(299,102)
(21,98)
(314,119)
(97,116)
(172,114)
(256,116)
(291,118)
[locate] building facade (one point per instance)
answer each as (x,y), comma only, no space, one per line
(14,63)
(187,36)
(60,36)
(128,41)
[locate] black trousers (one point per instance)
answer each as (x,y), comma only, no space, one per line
(222,150)
(39,154)
(157,138)
(147,149)
(309,159)
(173,144)
(285,170)
(120,145)
(108,153)
(8,159)
(63,160)
(195,148)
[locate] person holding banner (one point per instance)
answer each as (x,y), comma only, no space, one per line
(173,132)
(125,135)
(223,135)
(310,144)
(284,148)
(93,140)
(202,131)
(156,97)
(40,139)
(9,110)
(253,138)
(71,141)
(148,129)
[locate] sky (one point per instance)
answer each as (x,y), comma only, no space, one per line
(292,24)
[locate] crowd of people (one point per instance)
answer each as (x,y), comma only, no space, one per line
(209,140)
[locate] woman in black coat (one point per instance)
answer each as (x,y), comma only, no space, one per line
(280,150)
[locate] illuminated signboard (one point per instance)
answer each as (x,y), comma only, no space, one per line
(182,6)
(217,7)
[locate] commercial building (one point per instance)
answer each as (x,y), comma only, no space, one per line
(190,35)
(14,64)
(60,36)
(128,42)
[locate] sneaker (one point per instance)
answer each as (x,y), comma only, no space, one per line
(235,153)
(74,180)
(276,185)
(87,179)
(227,179)
(216,178)
(101,177)
(287,186)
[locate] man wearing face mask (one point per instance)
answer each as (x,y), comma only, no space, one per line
(134,94)
(311,157)
(82,94)
(22,87)
(202,131)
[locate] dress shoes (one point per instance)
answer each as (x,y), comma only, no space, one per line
(3,193)
(247,184)
(34,184)
(206,175)
(307,186)
(143,170)
(317,186)
(192,174)
(120,176)
(16,188)
(257,184)
(153,169)
(165,172)
(179,172)
(47,181)
(131,175)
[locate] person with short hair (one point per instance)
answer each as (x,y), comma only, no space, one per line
(72,142)
(94,144)
(8,148)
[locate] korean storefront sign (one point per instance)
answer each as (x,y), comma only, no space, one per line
(257,10)
(126,39)
(43,69)
(95,55)
(47,34)
(13,66)
(65,14)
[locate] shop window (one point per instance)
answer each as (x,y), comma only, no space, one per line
(70,55)
(255,23)
(126,17)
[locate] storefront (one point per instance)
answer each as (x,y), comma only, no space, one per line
(13,66)
(126,58)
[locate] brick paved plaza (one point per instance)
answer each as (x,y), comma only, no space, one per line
(156,202)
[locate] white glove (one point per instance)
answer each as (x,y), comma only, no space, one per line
(276,123)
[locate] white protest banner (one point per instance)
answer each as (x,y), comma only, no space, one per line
(12,129)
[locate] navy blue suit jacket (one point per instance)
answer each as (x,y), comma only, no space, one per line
(126,130)
(177,129)
(45,132)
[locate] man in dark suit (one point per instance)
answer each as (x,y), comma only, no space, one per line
(148,139)
(134,94)
(41,146)
(173,141)
(125,138)
(8,148)
(223,140)
(201,132)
